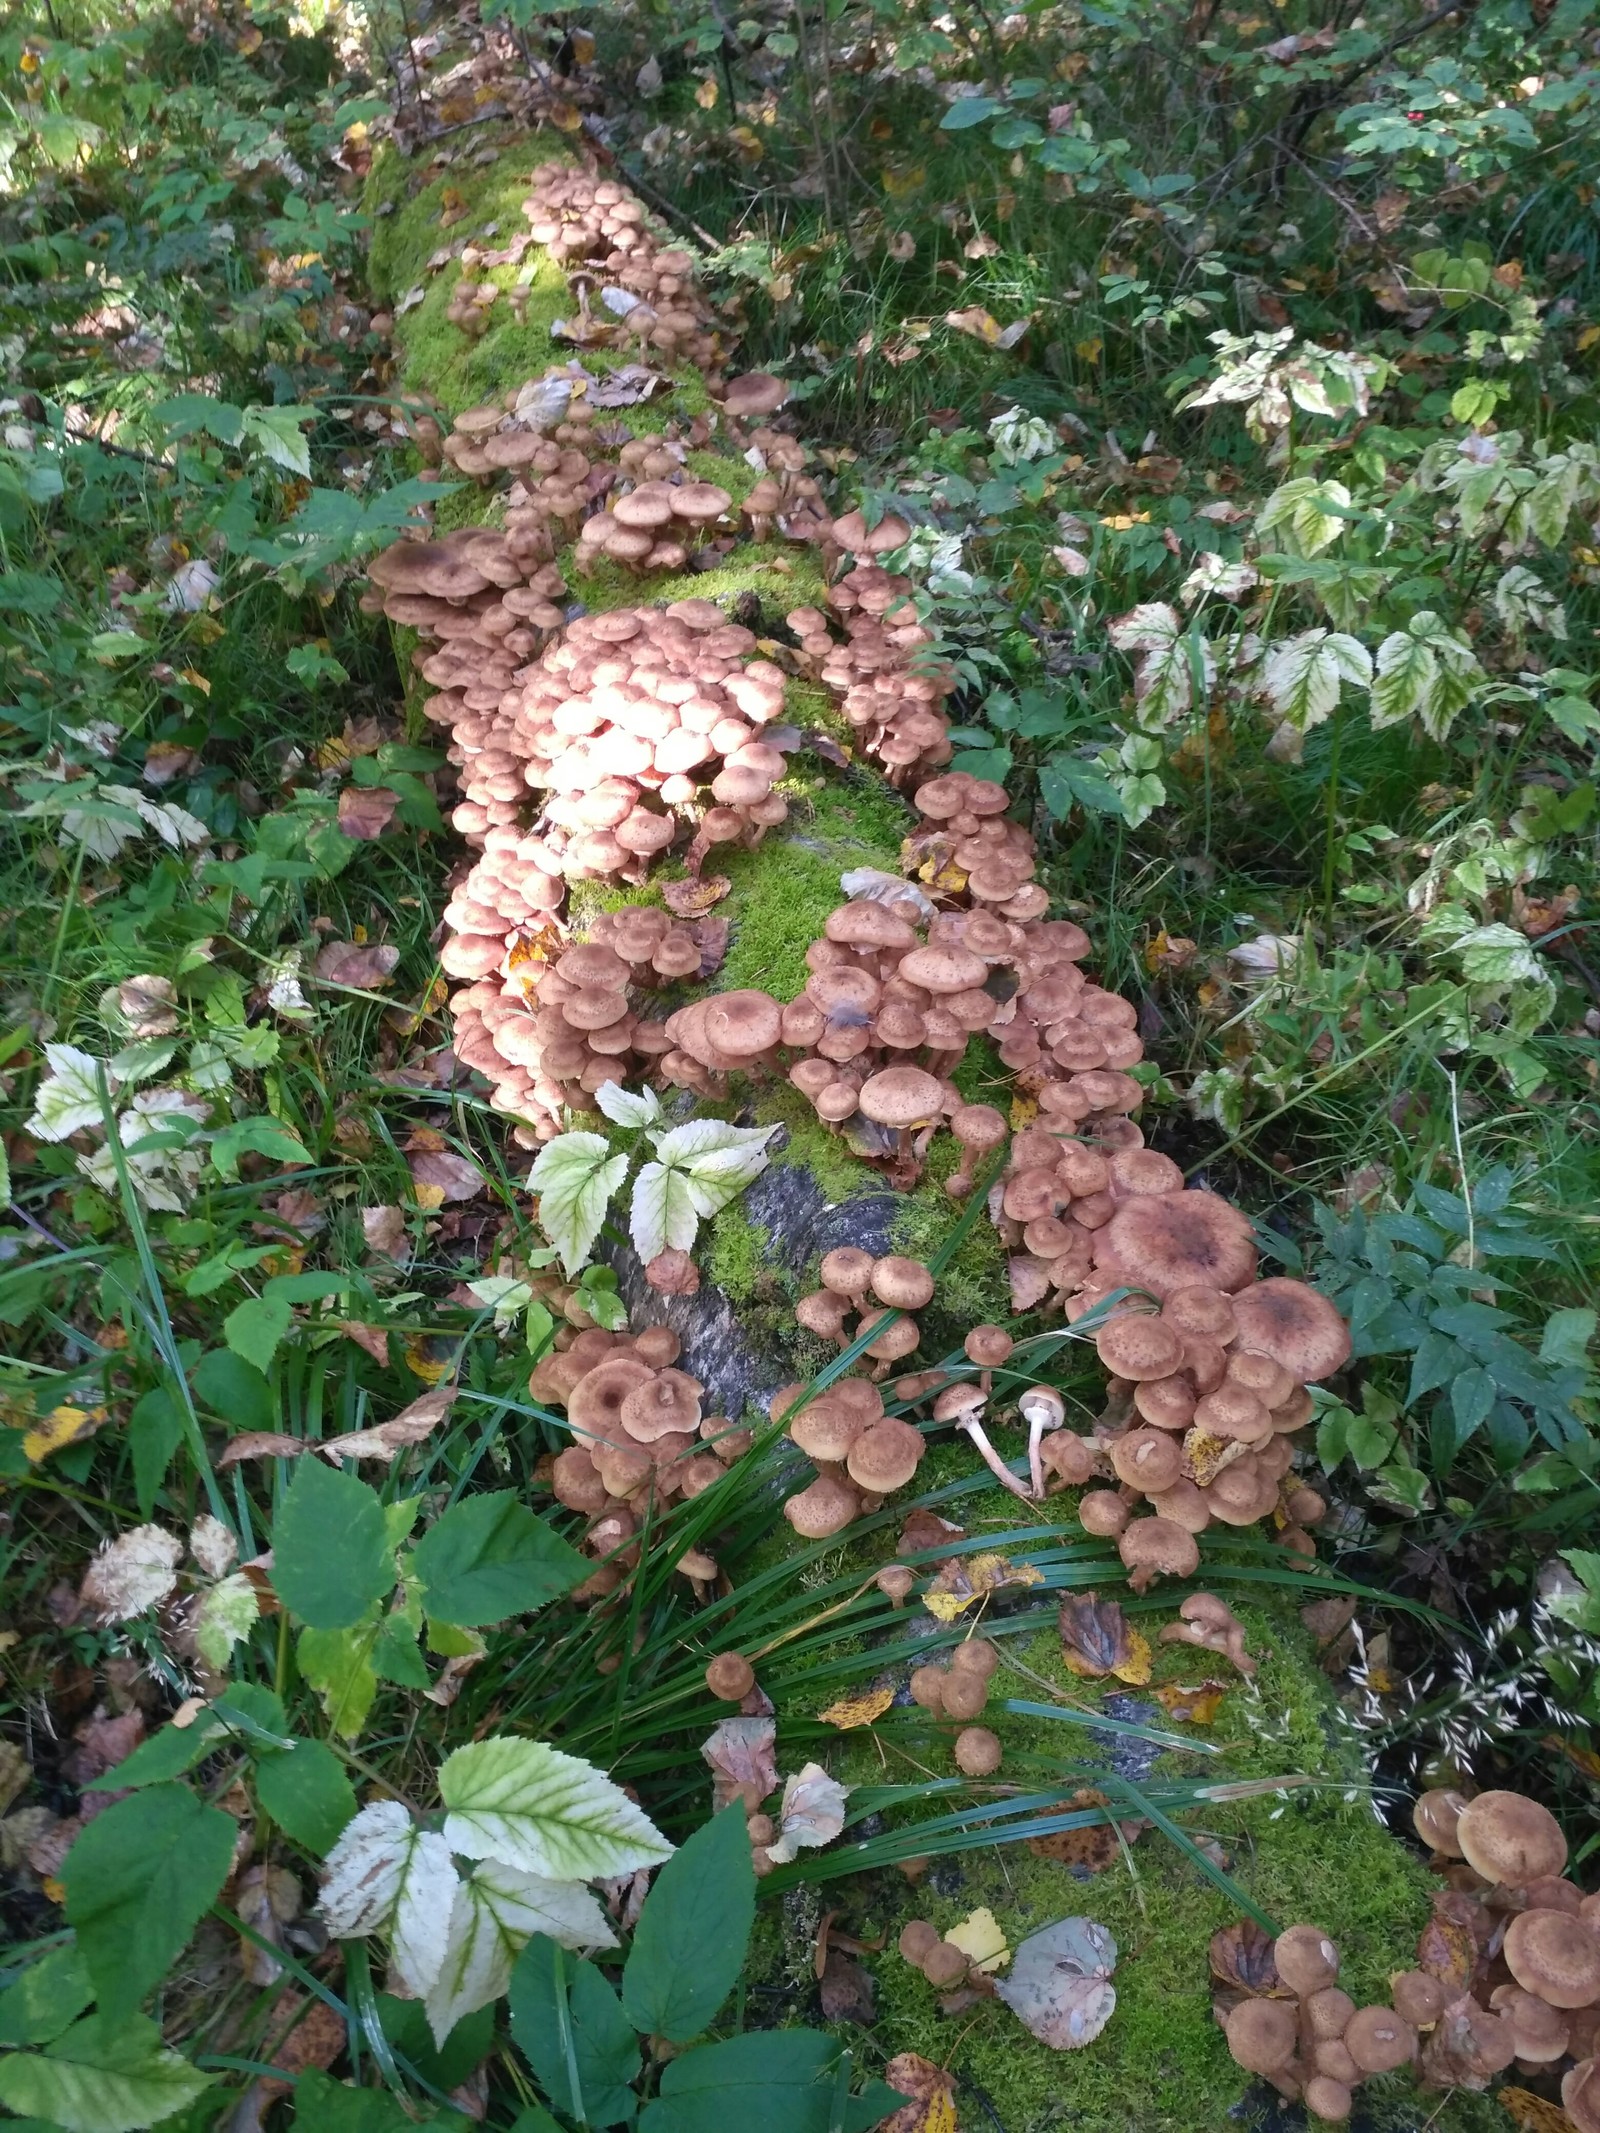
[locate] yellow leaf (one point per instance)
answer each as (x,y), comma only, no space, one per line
(1587,338)
(910,178)
(54,1891)
(1125,521)
(706,95)
(249,40)
(1133,1667)
(195,679)
(1204,1456)
(1089,351)
(981,1939)
(1196,1703)
(1534,2114)
(853,1711)
(429,1197)
(960,1583)
(748,142)
(1023,1113)
(61,1427)
(452,206)
(431,1369)
(30,62)
(566,117)
(331,755)
(981,324)
(583,46)
(932,2094)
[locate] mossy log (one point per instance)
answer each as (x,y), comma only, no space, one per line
(1316,1852)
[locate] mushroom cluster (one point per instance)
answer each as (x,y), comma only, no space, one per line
(861,1453)
(547,1035)
(857,1286)
(601,234)
(1532,1999)
(960,1690)
(941,1962)
(639,1436)
(1316,2046)
(889,694)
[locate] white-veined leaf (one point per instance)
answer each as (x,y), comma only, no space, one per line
(1165,673)
(707,1136)
(529,1805)
(575,1176)
(1302,675)
(68,1099)
(1426,671)
(227,1614)
(628,1107)
(663,1216)
(386,1873)
(1296,511)
(495,1913)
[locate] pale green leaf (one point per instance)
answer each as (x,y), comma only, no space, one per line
(69,1098)
(496,1913)
(530,1806)
(102,2077)
(227,1614)
(1303,674)
(575,1176)
(662,1216)
(628,1107)
(388,1874)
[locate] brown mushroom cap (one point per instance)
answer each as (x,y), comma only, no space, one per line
(1327,2099)
(927,1687)
(1136,1346)
(1294,1324)
(847,1270)
(1327,2012)
(917,1940)
(944,1965)
(902,1097)
(1306,1959)
(1102,1512)
(758,392)
(1418,1997)
(1261,2035)
(743,1025)
(1556,1956)
(823,1509)
(666,1404)
(977,1751)
(1508,1838)
(1580,2095)
(1157,1547)
(1180,1240)
(1540,2032)
(976,1656)
(594,1406)
(1435,1816)
(1379,2040)
(1207,1312)
(730,1676)
(700,502)
(903,1284)
(825,1429)
(885,1456)
(987,1346)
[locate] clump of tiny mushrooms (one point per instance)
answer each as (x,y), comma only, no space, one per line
(639,1437)
(1530,2005)
(959,1689)
(941,1962)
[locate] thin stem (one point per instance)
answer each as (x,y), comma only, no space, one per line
(1331,824)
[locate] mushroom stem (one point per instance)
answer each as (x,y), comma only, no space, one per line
(1036,1430)
(991,1458)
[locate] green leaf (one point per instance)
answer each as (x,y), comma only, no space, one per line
(323,2105)
(225,1617)
(49,1995)
(605,2051)
(276,434)
(164,1756)
(337,1663)
(155,1430)
(690,1943)
(968,111)
(780,2080)
(496,1913)
(332,1559)
(306,1792)
(575,1176)
(1065,781)
(103,2077)
(234,1389)
(489,1557)
(1566,1337)
(139,1879)
(255,1136)
(549,1813)
(395,1656)
(405,2024)
(255,1328)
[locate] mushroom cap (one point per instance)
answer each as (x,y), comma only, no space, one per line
(1379,2040)
(1435,1816)
(1541,2032)
(730,1676)
(917,1940)
(1180,1240)
(594,1406)
(665,1404)
(1306,1959)
(825,1429)
(885,1456)
(1042,1407)
(743,1025)
(977,1751)
(1326,2098)
(1555,1955)
(758,392)
(823,1509)
(646,508)
(865,924)
(1508,1838)
(1151,1461)
(1137,1347)
(902,1097)
(1103,1512)
(976,1656)
(1418,1997)
(1261,2035)
(944,969)
(1158,1547)
(847,1269)
(978,1126)
(1296,1325)
(905,1284)
(700,502)
(987,1346)
(1580,2095)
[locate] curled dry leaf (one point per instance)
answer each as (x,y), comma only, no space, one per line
(410,1426)
(1533,2114)
(135,1572)
(149,1006)
(812,1813)
(861,1710)
(694,898)
(261,1444)
(930,2094)
(710,936)
(1097,1640)
(846,1990)
(1466,2047)
(1241,1958)
(1030,1281)
(452,1176)
(384,1229)
(743,1762)
(267,1898)
(344,963)
(962,1581)
(1060,1983)
(1447,1950)
(1194,1703)
(212,1546)
(375,1339)
(365,811)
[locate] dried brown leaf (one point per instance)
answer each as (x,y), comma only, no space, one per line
(261,1444)
(930,2093)
(694,897)
(365,811)
(344,963)
(1097,1640)
(742,1757)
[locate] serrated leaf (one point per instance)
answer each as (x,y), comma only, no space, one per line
(1426,671)
(227,1614)
(1295,509)
(533,1807)
(1172,658)
(689,1945)
(49,1995)
(489,1557)
(276,434)
(332,1557)
(662,1216)
(68,1099)
(605,2050)
(306,1792)
(628,1107)
(102,2077)
(575,1176)
(1303,674)
(387,1874)
(496,1912)
(139,1879)
(337,1663)
(254,1329)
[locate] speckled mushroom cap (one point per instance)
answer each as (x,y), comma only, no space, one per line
(885,1456)
(1157,1547)
(824,1508)
(904,1284)
(666,1404)
(1261,2035)
(1296,1325)
(1306,1959)
(1137,1346)
(1554,1955)
(1379,2040)
(1435,1817)
(594,1406)
(902,1097)
(1180,1240)
(1580,2095)
(1510,1839)
(758,392)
